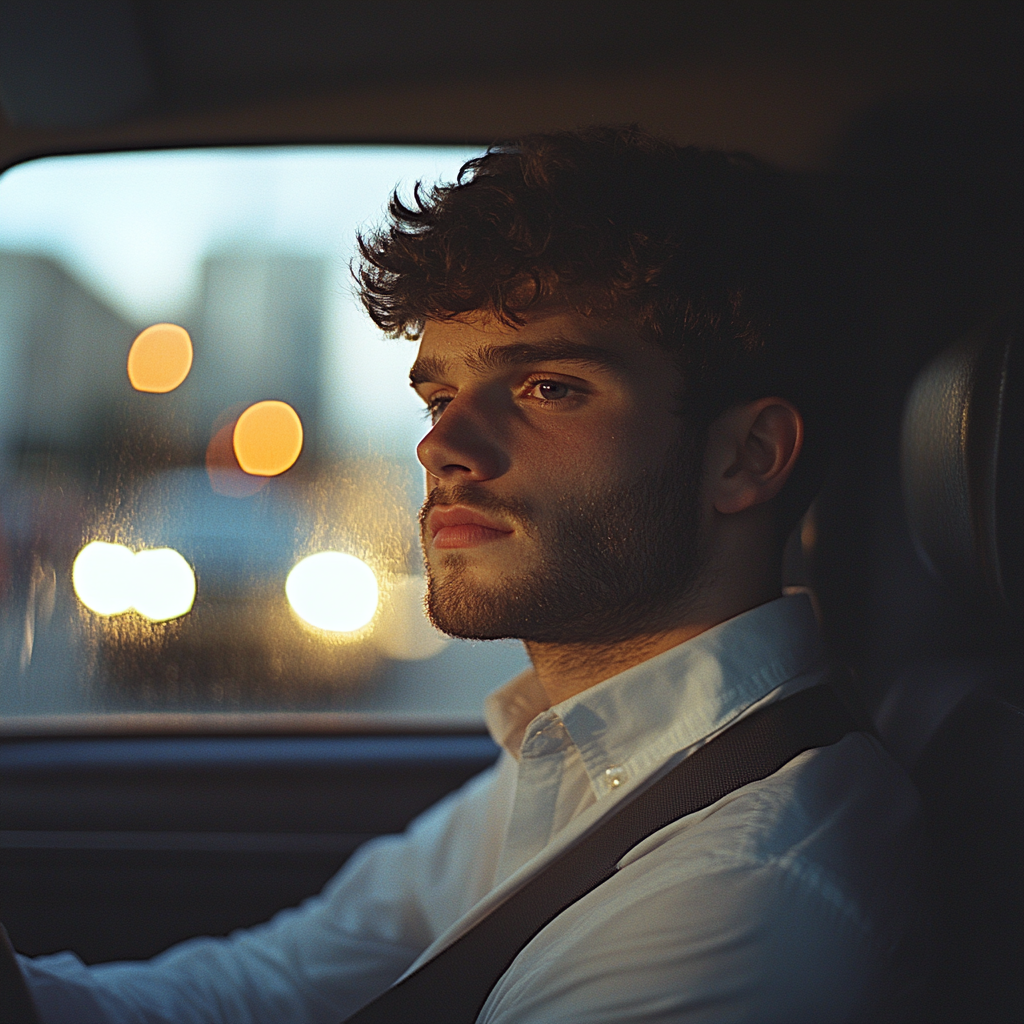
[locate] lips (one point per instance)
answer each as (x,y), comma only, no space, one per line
(460,527)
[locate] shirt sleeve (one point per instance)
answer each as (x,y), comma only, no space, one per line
(313,964)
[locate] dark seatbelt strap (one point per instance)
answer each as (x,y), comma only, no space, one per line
(453,986)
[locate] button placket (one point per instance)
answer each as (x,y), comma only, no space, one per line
(541,763)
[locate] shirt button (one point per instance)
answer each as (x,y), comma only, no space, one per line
(612,778)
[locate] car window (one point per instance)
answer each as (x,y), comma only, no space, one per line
(208,483)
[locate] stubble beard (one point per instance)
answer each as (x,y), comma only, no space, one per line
(608,566)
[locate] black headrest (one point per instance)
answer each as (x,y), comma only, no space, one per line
(962,463)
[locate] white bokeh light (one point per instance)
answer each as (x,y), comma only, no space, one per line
(103,576)
(164,586)
(403,631)
(109,579)
(333,591)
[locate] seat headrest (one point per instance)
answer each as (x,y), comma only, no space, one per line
(962,464)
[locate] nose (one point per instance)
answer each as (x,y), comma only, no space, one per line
(461,446)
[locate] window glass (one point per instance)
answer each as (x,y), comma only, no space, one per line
(208,483)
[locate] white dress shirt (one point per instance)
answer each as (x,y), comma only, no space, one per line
(791,899)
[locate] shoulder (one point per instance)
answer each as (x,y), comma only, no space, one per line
(840,824)
(850,794)
(783,901)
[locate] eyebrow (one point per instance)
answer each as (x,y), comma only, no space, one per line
(431,369)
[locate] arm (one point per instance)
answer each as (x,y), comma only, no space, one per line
(314,963)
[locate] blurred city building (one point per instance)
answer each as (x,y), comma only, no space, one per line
(84,457)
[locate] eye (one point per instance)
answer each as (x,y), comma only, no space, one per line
(436,406)
(550,390)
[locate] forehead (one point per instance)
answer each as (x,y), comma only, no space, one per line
(480,345)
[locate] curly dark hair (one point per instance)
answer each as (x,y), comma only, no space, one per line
(717,257)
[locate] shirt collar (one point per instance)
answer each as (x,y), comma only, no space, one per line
(628,725)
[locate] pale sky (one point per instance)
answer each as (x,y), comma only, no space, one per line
(134,228)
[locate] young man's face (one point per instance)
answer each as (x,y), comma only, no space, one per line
(563,505)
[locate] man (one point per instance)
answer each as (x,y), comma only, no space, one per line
(626,351)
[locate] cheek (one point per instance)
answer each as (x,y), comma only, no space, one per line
(636,441)
(584,454)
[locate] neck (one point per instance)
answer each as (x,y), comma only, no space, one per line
(567,669)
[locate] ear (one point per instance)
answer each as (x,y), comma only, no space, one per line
(751,452)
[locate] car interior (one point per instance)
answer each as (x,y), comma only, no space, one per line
(191,736)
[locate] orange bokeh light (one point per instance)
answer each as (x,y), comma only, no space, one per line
(226,476)
(268,438)
(160,358)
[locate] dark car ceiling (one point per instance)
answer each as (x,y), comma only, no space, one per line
(781,78)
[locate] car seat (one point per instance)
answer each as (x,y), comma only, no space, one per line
(958,726)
